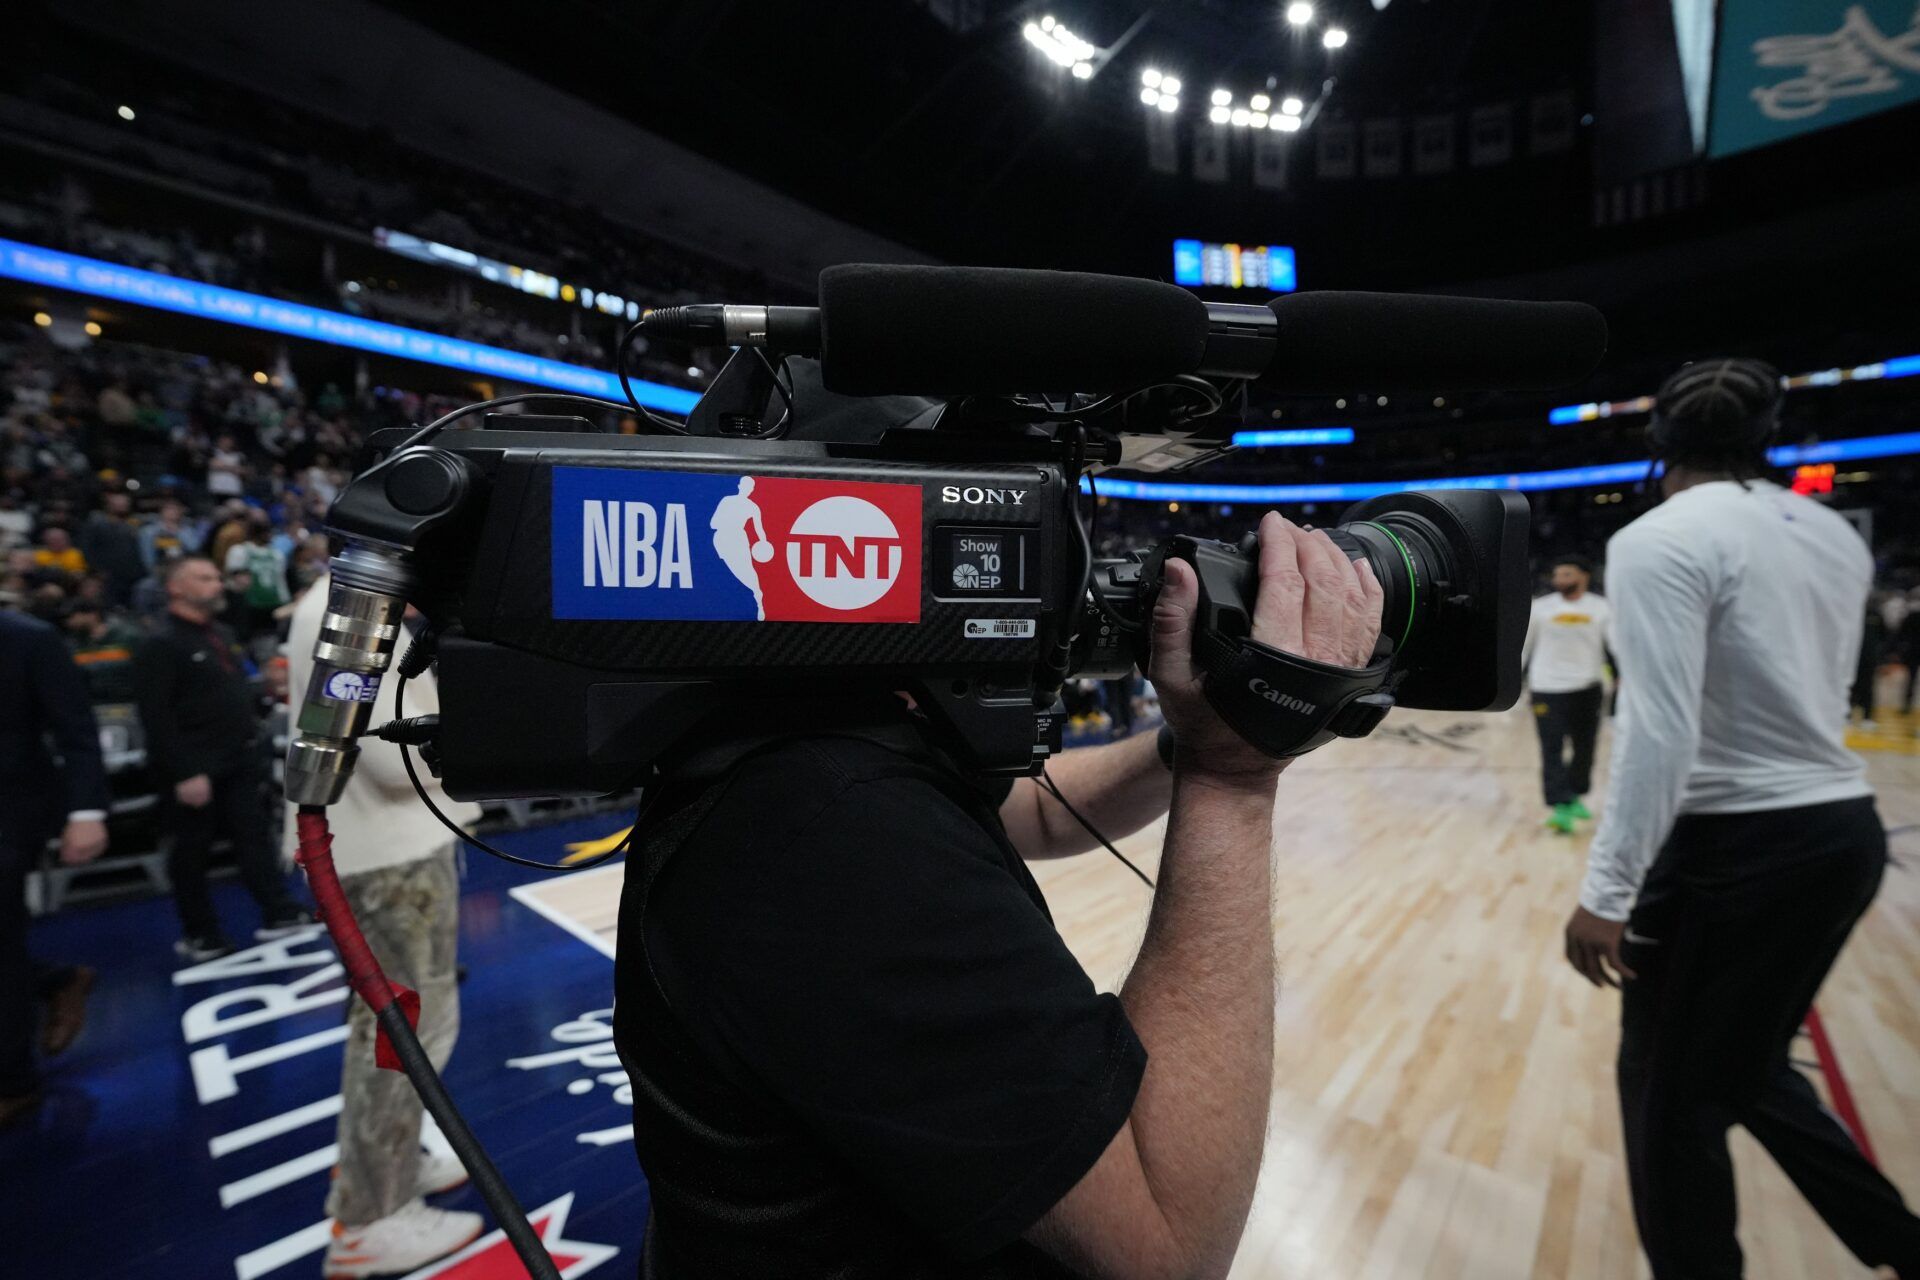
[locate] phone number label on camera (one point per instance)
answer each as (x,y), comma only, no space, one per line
(692,546)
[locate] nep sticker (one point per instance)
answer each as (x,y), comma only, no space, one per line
(999,629)
(351,686)
(696,547)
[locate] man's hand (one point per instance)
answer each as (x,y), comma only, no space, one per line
(194,792)
(1592,939)
(83,840)
(1311,602)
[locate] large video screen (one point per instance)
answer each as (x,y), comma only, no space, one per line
(1200,264)
(1787,67)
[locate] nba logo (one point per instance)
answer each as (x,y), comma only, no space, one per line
(695,546)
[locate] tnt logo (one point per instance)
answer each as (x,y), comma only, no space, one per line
(697,546)
(844,553)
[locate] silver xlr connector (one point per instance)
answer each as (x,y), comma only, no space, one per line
(365,603)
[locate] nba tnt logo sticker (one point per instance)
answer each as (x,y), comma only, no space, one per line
(694,547)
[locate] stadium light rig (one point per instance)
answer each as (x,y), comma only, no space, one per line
(1160,90)
(1259,112)
(1062,48)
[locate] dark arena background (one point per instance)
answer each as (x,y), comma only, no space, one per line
(239,240)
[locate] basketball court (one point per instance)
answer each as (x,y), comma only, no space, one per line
(1443,1098)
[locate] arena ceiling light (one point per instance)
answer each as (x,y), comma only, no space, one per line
(1160,90)
(1223,97)
(1299,13)
(1291,105)
(1284,123)
(1259,102)
(125,112)
(1063,48)
(1334,37)
(1220,115)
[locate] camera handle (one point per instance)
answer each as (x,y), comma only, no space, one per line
(1281,704)
(1286,705)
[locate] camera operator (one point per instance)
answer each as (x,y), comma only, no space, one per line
(1738,608)
(860,1049)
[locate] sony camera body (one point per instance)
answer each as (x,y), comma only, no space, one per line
(596,598)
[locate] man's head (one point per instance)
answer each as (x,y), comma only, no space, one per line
(1571,575)
(119,504)
(55,538)
(259,527)
(172,510)
(1714,420)
(84,619)
(193,584)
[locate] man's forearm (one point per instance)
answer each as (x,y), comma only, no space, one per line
(1201,997)
(1119,787)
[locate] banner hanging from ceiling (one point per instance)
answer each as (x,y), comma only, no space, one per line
(1788,67)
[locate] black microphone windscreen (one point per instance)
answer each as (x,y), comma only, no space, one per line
(948,331)
(1388,342)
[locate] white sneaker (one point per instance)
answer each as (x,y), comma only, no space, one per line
(440,1174)
(410,1237)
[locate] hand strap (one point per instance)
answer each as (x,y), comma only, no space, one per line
(1286,705)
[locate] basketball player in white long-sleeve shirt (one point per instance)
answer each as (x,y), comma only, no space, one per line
(1739,843)
(1565,658)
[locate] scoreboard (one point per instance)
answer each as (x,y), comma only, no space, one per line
(1200,264)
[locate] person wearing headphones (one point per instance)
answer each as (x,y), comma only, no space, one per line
(1739,843)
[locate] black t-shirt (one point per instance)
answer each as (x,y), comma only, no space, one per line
(858,1046)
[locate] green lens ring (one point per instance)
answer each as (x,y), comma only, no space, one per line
(1413,579)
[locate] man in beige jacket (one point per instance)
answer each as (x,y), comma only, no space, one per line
(396,864)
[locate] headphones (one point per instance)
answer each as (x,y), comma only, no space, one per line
(1730,405)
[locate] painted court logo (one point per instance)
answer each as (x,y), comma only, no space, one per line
(691,546)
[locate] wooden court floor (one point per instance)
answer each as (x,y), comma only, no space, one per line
(1443,1101)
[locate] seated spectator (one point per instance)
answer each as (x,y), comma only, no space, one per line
(115,406)
(168,535)
(266,569)
(111,546)
(227,469)
(57,552)
(229,530)
(103,646)
(16,522)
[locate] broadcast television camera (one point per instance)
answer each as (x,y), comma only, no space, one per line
(597,597)
(594,598)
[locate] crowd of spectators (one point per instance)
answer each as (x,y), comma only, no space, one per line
(265,157)
(117,459)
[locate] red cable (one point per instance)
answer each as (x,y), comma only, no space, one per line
(1837,1085)
(315,857)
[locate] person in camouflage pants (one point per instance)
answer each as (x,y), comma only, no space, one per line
(410,916)
(398,870)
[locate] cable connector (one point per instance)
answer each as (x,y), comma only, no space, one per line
(419,655)
(412,731)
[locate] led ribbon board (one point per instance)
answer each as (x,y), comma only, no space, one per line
(101,279)
(1897,367)
(1525,481)
(1293,437)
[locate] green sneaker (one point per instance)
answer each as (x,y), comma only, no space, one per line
(1579,810)
(1561,820)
